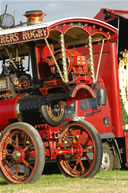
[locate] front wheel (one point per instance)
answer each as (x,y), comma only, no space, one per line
(22,154)
(85,141)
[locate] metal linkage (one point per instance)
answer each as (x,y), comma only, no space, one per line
(91,59)
(65,71)
(57,66)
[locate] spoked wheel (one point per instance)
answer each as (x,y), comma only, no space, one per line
(22,154)
(86,146)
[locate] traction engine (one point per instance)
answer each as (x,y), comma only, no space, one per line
(46,67)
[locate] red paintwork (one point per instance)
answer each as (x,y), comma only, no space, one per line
(109,74)
(108,69)
(126,146)
(8,111)
(58,26)
(111,12)
(41,53)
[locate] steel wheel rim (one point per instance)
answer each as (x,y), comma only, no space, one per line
(105,161)
(18,157)
(80,167)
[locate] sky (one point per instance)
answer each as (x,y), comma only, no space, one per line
(59,9)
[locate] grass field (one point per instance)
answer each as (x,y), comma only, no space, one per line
(103,182)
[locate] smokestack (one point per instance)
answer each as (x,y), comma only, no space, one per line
(34,17)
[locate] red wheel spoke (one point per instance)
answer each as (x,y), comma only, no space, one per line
(12,164)
(68,160)
(82,166)
(11,142)
(88,159)
(77,162)
(27,164)
(25,140)
(87,141)
(79,139)
(72,132)
(28,147)
(9,154)
(17,140)
(25,170)
(88,150)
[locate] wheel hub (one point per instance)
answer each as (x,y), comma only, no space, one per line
(16,155)
(79,150)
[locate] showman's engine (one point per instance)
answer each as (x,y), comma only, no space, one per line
(46,70)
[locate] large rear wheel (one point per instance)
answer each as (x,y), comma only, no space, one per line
(22,154)
(82,137)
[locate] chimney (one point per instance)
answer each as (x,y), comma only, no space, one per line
(34,17)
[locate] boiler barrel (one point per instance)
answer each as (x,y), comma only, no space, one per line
(21,108)
(28,108)
(8,111)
